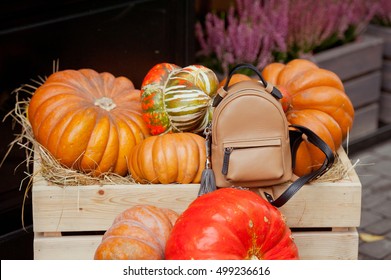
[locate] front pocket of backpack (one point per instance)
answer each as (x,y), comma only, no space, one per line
(250,161)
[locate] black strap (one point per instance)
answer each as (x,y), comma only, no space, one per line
(296,138)
(275,92)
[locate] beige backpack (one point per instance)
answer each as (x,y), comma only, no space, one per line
(249,140)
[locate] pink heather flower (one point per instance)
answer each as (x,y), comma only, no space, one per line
(250,33)
(383,13)
(359,13)
(254,30)
(312,23)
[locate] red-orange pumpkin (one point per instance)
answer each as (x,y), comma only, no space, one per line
(88,121)
(138,233)
(315,98)
(169,158)
(230,224)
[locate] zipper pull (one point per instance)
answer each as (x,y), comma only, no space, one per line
(227,153)
(207,133)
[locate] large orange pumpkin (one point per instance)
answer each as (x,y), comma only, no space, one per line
(138,233)
(88,121)
(315,98)
(169,158)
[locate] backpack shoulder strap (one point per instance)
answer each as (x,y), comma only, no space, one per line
(296,139)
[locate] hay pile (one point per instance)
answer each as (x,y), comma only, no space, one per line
(52,171)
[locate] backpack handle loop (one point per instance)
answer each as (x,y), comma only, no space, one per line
(268,86)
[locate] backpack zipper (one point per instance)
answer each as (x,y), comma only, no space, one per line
(227,154)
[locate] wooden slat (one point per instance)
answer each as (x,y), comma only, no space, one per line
(89,208)
(312,245)
(354,59)
(93,208)
(334,245)
(80,247)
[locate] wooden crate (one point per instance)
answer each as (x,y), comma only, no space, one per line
(69,221)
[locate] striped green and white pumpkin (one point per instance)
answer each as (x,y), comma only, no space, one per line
(177,99)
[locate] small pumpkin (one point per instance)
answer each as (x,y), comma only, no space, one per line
(230,224)
(315,98)
(237,77)
(138,233)
(169,158)
(88,121)
(176,99)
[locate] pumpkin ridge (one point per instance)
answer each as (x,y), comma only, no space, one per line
(163,232)
(119,133)
(49,143)
(139,249)
(91,159)
(72,89)
(110,151)
(182,148)
(126,141)
(282,251)
(90,83)
(314,78)
(160,161)
(108,86)
(74,139)
(193,161)
(134,170)
(71,84)
(42,117)
(170,152)
(149,244)
(137,123)
(153,176)
(121,87)
(130,98)
(140,225)
(202,158)
(274,220)
(53,144)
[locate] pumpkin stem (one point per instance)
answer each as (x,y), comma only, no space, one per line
(105,103)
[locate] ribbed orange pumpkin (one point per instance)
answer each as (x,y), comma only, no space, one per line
(315,98)
(169,158)
(88,121)
(138,233)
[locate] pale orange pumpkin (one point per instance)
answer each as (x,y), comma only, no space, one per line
(169,158)
(88,121)
(315,98)
(138,233)
(237,77)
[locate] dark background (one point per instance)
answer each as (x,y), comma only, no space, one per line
(124,38)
